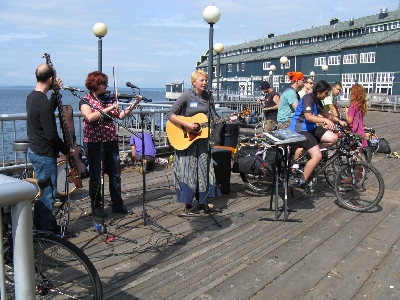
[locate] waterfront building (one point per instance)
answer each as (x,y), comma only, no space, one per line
(364,50)
(174,90)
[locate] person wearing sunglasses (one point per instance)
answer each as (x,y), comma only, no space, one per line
(309,112)
(307,88)
(289,99)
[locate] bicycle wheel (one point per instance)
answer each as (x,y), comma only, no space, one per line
(366,154)
(359,186)
(62,270)
(332,169)
(260,184)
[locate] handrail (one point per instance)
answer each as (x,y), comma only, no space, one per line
(11,125)
(18,194)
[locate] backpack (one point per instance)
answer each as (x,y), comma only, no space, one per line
(251,159)
(383,146)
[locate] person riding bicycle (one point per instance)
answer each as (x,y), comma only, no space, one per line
(310,111)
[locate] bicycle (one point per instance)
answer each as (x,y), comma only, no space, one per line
(358,185)
(62,270)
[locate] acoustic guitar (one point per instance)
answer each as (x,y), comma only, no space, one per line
(180,139)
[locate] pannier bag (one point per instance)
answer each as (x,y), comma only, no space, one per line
(253,159)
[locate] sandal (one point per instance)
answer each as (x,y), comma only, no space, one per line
(394,155)
(189,212)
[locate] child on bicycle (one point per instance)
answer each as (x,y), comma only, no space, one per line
(310,111)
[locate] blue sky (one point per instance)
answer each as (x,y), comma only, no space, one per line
(149,43)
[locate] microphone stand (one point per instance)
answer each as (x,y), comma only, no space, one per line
(144,215)
(101,229)
(207,210)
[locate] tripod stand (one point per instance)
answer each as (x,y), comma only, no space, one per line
(144,215)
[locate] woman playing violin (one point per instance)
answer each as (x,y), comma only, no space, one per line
(101,131)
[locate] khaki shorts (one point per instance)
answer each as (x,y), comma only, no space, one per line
(269,125)
(284,125)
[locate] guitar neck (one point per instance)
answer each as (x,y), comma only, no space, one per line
(217,121)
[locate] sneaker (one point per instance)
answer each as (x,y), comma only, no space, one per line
(305,186)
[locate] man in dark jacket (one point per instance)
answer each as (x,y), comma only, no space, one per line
(45,143)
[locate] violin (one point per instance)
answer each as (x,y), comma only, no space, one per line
(109,98)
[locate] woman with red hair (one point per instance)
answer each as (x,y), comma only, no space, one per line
(357,110)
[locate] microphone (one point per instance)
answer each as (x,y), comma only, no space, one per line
(128,84)
(146,100)
(72,89)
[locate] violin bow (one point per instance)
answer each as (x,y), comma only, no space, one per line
(115,86)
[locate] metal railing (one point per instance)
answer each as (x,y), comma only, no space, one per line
(13,127)
(18,195)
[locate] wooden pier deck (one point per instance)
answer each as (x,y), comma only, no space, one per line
(333,253)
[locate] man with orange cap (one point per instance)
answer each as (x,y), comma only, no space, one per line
(289,99)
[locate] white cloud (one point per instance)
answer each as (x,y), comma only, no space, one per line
(152,41)
(22,36)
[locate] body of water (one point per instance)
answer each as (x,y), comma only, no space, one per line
(13,101)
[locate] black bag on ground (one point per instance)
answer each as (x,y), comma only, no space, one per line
(383,146)
(251,159)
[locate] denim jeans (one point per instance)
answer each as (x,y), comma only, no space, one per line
(111,167)
(44,167)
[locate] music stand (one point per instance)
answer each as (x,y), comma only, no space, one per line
(282,139)
(144,215)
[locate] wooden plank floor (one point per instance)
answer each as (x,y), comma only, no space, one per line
(333,254)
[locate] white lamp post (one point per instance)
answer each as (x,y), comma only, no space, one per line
(272,69)
(283,60)
(100,30)
(251,84)
(324,68)
(218,48)
(211,15)
(312,74)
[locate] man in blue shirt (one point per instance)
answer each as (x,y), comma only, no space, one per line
(149,149)
(289,100)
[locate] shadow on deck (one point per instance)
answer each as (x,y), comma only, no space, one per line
(333,254)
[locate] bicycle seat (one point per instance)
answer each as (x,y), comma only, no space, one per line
(20,145)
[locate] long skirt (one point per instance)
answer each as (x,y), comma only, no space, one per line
(190,173)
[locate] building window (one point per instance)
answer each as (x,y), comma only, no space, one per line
(230,67)
(384,83)
(242,66)
(334,60)
(367,81)
(266,65)
(348,80)
(319,61)
(367,58)
(238,67)
(350,59)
